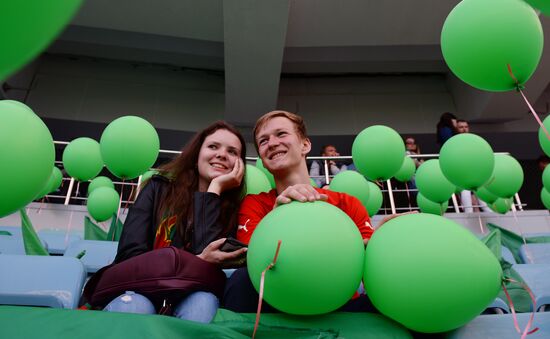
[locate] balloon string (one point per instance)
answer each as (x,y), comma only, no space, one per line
(128,201)
(526,331)
(262,281)
(519,89)
(480,223)
(69,228)
(120,201)
(527,251)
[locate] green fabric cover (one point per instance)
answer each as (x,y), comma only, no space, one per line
(514,241)
(33,244)
(93,231)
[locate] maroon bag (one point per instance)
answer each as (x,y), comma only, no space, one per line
(162,275)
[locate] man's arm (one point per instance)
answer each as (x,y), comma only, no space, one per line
(250,214)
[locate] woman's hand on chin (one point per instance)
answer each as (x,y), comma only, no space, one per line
(228,181)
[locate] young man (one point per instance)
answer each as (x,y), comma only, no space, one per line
(462,126)
(282,143)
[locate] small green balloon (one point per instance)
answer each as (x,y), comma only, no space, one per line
(147,175)
(467,160)
(38,23)
(269,176)
(255,180)
(483,194)
(100,182)
(27,153)
(82,159)
(103,203)
(542,5)
(375,199)
(57,179)
(129,146)
(46,189)
(335,257)
(438,260)
(406,171)
(428,206)
(546,177)
(507,177)
(378,152)
(478,46)
(544,140)
(352,183)
(432,183)
(545,198)
(501,205)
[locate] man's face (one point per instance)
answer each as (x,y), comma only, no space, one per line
(462,127)
(330,151)
(280,146)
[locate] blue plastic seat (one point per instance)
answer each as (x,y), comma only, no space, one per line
(97,253)
(507,255)
(537,277)
(14,230)
(535,253)
(47,281)
(500,305)
(501,326)
(11,245)
(57,241)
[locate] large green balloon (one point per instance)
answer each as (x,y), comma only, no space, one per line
(33,25)
(352,183)
(501,205)
(103,203)
(27,154)
(467,160)
(545,198)
(507,177)
(480,38)
(269,176)
(542,5)
(485,195)
(255,181)
(406,171)
(428,206)
(375,199)
(310,277)
(378,152)
(129,146)
(432,183)
(429,273)
(82,159)
(100,182)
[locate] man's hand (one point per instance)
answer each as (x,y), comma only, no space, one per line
(228,181)
(300,192)
(214,255)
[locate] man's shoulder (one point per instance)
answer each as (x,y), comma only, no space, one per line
(339,199)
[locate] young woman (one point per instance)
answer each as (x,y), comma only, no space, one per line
(193,204)
(446,128)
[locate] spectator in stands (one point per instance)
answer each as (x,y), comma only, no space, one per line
(193,205)
(413,149)
(543,161)
(317,170)
(446,128)
(462,126)
(282,143)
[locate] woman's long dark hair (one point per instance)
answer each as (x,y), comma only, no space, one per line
(446,120)
(184,182)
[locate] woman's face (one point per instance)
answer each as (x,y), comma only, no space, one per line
(217,156)
(410,144)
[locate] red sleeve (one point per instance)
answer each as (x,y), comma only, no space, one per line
(358,213)
(253,209)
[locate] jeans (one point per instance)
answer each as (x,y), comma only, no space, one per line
(198,306)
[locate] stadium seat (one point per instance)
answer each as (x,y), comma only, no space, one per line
(502,326)
(40,281)
(535,253)
(97,254)
(500,306)
(536,276)
(11,245)
(14,230)
(507,255)
(57,241)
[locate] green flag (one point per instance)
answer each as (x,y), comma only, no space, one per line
(33,244)
(115,230)
(514,241)
(93,231)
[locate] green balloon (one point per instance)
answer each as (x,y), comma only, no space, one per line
(103,203)
(428,206)
(335,258)
(406,171)
(483,194)
(378,152)
(543,138)
(147,175)
(82,159)
(352,183)
(57,179)
(37,23)
(129,146)
(501,205)
(542,5)
(100,182)
(260,166)
(545,198)
(467,160)
(507,177)
(450,276)
(255,181)
(375,199)
(432,183)
(27,153)
(480,38)
(46,189)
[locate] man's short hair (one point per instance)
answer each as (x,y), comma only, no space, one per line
(324,148)
(462,120)
(297,120)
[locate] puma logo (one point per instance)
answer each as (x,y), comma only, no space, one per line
(243,227)
(368,224)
